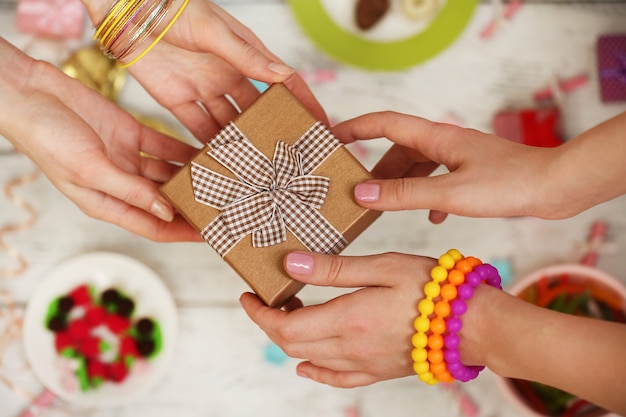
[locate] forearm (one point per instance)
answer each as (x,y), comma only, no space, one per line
(519,340)
(587,170)
(14,69)
(27,91)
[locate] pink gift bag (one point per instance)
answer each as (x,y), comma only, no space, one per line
(51,18)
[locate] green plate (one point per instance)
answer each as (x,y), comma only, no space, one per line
(351,49)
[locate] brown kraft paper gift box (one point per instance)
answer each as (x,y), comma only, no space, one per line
(275,116)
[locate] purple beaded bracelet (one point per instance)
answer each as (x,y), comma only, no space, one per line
(481,273)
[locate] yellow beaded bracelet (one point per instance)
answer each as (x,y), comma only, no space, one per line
(427,353)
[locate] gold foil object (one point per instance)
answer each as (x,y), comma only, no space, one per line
(94,69)
(97,71)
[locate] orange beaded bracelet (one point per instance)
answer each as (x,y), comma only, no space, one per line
(427,353)
(435,343)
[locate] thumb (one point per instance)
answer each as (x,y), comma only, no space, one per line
(433,193)
(342,271)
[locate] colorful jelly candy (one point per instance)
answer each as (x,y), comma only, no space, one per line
(100,335)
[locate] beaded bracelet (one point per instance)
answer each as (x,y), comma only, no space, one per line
(428,364)
(435,354)
(480,273)
(128,24)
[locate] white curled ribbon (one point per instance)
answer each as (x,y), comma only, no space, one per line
(267,198)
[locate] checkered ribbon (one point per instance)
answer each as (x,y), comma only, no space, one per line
(268,197)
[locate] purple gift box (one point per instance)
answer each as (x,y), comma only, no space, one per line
(612,67)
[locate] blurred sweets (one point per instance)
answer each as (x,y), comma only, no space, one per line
(97,337)
(368,13)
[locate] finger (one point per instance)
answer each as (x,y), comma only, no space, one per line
(394,164)
(244,93)
(422,169)
(430,139)
(197,120)
(432,193)
(156,170)
(216,32)
(334,378)
(303,93)
(294,327)
(345,271)
(253,45)
(144,224)
(293,304)
(292,80)
(107,208)
(133,190)
(437,217)
(268,319)
(242,49)
(221,110)
(166,148)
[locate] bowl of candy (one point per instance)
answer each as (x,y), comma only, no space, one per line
(572,289)
(100,330)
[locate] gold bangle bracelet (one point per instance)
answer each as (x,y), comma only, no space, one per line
(129,23)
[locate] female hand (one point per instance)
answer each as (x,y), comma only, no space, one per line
(355,339)
(365,336)
(205,58)
(488,176)
(89,148)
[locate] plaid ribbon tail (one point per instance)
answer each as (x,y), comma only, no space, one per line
(218,236)
(215,190)
(308,225)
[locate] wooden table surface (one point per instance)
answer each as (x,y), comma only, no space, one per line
(220,368)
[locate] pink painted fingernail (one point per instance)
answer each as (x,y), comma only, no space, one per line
(367,192)
(299,263)
(162,211)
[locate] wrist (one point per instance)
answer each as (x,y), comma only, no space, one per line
(556,185)
(585,171)
(485,312)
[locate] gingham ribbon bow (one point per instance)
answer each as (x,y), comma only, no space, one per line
(268,197)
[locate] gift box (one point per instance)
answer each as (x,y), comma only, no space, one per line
(611,50)
(51,18)
(274,180)
(530,126)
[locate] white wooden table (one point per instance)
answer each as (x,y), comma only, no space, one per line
(220,369)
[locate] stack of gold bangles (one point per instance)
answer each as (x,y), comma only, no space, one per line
(129,23)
